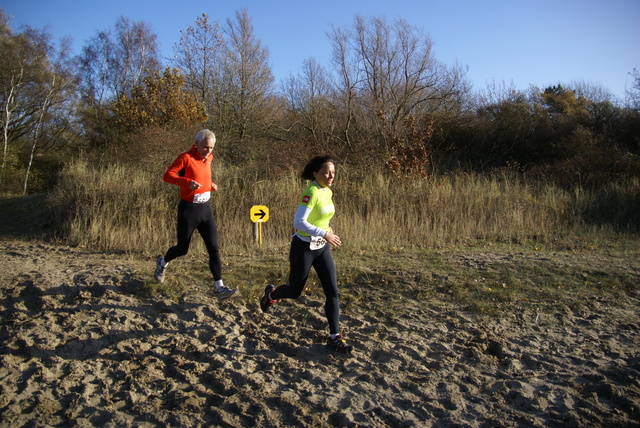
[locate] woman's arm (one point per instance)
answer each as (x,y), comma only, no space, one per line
(300,222)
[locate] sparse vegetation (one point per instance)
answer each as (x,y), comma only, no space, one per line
(396,234)
(119,209)
(425,167)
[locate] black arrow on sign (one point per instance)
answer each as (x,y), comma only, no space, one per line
(260,214)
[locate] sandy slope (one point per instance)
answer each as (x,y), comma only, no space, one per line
(81,346)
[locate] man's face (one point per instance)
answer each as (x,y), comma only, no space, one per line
(205,147)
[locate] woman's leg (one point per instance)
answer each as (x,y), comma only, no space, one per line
(326,269)
(300,259)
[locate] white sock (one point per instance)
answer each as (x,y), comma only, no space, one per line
(333,336)
(219,285)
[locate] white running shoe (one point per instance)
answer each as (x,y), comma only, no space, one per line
(225,292)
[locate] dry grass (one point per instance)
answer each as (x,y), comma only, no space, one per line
(487,242)
(484,242)
(116,208)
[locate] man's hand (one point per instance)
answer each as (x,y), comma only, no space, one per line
(194,185)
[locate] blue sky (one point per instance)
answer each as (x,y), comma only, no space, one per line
(518,42)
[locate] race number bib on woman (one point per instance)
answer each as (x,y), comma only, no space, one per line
(317,242)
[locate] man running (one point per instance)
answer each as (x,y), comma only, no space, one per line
(192,172)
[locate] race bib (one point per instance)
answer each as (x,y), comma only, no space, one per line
(317,242)
(201,198)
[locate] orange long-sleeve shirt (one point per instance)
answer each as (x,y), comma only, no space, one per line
(189,166)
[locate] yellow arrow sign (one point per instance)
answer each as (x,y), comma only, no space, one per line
(259,214)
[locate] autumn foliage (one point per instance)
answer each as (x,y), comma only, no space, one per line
(160,101)
(383,101)
(409,156)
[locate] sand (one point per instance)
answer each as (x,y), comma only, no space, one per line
(83,345)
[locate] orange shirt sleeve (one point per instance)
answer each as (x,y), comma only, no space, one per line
(172,176)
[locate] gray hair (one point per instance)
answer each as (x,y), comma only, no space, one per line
(205,134)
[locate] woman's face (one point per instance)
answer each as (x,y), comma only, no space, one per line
(324,177)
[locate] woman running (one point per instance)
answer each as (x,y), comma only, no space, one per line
(192,172)
(309,248)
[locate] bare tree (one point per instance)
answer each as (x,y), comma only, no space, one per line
(57,93)
(136,54)
(308,97)
(23,67)
(197,54)
(592,91)
(114,61)
(111,64)
(37,84)
(387,72)
(246,80)
(633,95)
(95,69)
(348,79)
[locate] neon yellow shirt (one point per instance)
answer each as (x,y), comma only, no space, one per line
(318,200)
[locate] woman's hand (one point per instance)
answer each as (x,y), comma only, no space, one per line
(333,239)
(194,185)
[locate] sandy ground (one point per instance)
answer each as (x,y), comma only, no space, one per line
(82,346)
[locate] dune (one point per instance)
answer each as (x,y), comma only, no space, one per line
(83,345)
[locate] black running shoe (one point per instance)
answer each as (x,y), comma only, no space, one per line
(266,302)
(161,268)
(339,345)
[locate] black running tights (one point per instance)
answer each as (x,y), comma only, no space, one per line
(301,259)
(191,217)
